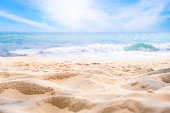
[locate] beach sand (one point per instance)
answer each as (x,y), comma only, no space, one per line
(35,84)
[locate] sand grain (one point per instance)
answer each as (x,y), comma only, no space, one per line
(56,85)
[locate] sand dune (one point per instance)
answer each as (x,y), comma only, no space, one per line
(35,84)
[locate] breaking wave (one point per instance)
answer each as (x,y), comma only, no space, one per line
(93,50)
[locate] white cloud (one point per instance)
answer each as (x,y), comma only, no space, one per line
(73,14)
(23,20)
(83,15)
(145,14)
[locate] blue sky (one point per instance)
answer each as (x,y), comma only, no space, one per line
(84,15)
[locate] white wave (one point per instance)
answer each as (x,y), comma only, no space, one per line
(25,51)
(162,46)
(95,51)
(91,48)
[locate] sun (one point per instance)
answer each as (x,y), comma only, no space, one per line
(73,14)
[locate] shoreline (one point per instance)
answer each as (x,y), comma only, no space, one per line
(38,84)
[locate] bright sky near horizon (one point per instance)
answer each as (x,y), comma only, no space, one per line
(84,15)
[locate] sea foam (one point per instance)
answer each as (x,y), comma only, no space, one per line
(101,50)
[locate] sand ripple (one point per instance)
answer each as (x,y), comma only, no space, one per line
(53,85)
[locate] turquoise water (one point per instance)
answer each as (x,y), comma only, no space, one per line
(100,45)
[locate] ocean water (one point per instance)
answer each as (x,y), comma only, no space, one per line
(86,45)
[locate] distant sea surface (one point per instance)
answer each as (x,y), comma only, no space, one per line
(86,45)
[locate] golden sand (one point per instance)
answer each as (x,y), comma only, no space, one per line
(35,84)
